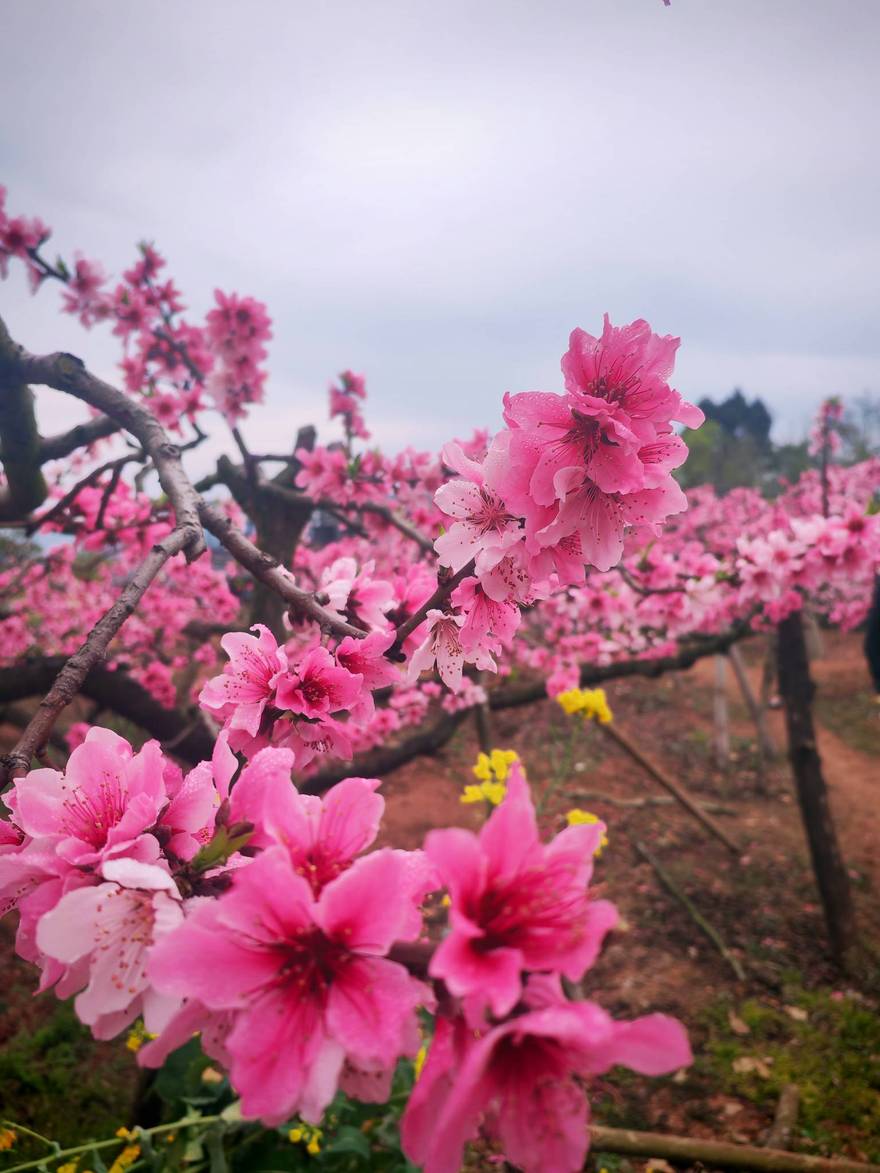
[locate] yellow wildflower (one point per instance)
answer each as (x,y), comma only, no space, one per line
(127,1157)
(579,818)
(137,1036)
(571,701)
(311,1137)
(125,1133)
(67,1167)
(8,1138)
(491,792)
(419,1061)
(592,702)
(495,766)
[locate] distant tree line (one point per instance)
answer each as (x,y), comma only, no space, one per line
(734,448)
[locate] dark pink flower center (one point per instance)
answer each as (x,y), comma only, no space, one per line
(90,816)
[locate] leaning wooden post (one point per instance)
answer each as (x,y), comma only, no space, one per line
(766,745)
(722,724)
(675,788)
(796,689)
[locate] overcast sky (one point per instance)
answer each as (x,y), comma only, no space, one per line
(436,193)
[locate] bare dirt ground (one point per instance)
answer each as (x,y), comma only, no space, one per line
(750,1035)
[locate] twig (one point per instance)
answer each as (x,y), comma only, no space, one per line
(675,788)
(69,680)
(694,913)
(268,570)
(766,745)
(399,523)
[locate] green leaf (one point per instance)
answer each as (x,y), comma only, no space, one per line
(349,1140)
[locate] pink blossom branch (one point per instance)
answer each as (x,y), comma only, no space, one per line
(70,679)
(271,573)
(67,373)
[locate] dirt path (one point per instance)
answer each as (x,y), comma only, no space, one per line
(853,777)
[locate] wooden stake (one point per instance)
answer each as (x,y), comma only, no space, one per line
(675,789)
(722,723)
(766,744)
(696,916)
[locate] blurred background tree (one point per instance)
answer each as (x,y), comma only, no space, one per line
(734,447)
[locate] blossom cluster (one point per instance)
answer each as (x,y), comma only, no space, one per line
(228,903)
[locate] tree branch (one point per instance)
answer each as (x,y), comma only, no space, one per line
(67,373)
(80,436)
(25,487)
(268,570)
(116,691)
(71,677)
(386,758)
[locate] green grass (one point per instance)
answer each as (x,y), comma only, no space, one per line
(832,1054)
(853,717)
(60,1083)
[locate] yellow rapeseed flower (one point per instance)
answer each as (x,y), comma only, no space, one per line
(137,1036)
(491,792)
(495,766)
(127,1157)
(311,1137)
(579,818)
(492,771)
(591,702)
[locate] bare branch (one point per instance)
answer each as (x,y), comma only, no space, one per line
(81,436)
(400,523)
(271,573)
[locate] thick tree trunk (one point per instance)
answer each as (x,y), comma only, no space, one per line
(796,688)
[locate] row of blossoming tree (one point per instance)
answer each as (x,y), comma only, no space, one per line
(351,612)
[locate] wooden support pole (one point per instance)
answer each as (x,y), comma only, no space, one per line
(708,930)
(766,744)
(796,688)
(722,721)
(675,789)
